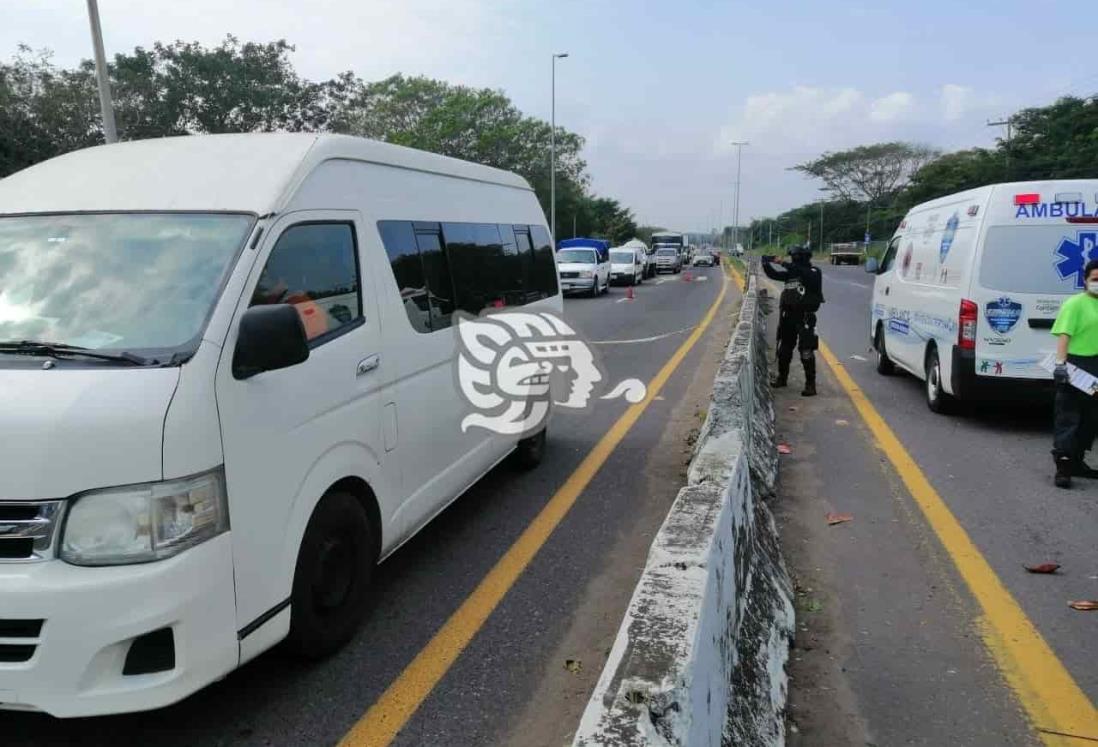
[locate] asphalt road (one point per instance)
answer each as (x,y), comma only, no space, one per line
(892,636)
(510,686)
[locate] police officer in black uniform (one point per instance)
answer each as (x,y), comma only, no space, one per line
(797,308)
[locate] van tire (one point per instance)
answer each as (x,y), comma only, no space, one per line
(335,564)
(885,366)
(595,288)
(530,451)
(936,397)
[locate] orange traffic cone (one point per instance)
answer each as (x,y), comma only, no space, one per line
(629,293)
(686,276)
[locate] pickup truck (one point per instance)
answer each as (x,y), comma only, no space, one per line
(847,254)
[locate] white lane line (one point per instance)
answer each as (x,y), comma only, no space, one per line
(641,339)
(700,278)
(623,300)
(660,281)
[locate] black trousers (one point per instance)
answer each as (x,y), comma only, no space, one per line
(1074,424)
(797,329)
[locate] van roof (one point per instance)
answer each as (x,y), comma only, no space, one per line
(254,173)
(980,194)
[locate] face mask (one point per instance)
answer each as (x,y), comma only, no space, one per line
(1092,287)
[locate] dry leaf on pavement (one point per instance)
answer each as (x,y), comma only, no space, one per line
(1043,568)
(573,665)
(1085,605)
(834,519)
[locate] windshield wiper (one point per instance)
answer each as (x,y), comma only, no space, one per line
(61,350)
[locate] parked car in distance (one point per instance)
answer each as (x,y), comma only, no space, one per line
(648,254)
(627,265)
(216,460)
(583,270)
(668,259)
(704,259)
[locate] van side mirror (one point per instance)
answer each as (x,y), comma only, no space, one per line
(872,265)
(270,338)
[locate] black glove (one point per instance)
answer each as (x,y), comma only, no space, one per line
(767,258)
(1060,374)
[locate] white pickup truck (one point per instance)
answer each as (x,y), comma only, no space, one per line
(847,254)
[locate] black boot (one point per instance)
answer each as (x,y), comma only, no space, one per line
(1063,472)
(782,379)
(809,377)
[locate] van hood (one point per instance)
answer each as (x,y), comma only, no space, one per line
(68,430)
(576,266)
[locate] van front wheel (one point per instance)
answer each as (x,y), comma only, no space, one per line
(530,451)
(332,578)
(936,398)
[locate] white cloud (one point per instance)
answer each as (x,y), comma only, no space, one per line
(892,107)
(955,100)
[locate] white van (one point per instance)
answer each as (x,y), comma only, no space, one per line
(970,284)
(628,265)
(227,382)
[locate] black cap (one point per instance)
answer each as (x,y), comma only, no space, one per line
(800,251)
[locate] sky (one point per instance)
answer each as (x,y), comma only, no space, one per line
(660,89)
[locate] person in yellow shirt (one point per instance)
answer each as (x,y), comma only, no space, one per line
(1076,412)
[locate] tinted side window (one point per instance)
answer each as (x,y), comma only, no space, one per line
(314,267)
(399,239)
(437,272)
(543,279)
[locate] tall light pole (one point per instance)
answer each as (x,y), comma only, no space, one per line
(110,133)
(553,151)
(736,211)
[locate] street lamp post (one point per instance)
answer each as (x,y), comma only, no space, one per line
(110,133)
(553,151)
(736,210)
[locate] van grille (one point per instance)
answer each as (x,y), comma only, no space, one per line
(570,274)
(28,530)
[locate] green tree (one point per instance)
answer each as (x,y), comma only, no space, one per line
(186,88)
(44,110)
(869,172)
(480,125)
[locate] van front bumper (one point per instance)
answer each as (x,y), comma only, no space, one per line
(571,285)
(91,616)
(969,386)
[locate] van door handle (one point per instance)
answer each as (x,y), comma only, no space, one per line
(887,289)
(366,365)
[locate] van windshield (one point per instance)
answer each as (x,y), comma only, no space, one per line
(114,281)
(1036,259)
(579,256)
(621,258)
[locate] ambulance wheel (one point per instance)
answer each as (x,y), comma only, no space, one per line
(936,398)
(885,366)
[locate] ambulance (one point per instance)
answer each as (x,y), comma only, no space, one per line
(970,284)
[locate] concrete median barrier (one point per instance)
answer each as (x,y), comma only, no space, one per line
(700,656)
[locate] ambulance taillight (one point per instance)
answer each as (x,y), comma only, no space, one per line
(966,325)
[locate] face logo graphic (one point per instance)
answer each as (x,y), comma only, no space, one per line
(512,366)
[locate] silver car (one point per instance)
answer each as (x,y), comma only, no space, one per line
(668,260)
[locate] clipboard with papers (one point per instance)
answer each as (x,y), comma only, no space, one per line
(1079,378)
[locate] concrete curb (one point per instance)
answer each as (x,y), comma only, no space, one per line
(700,656)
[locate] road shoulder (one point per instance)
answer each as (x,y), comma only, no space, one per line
(888,650)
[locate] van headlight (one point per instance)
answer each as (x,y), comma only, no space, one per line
(587,273)
(142,523)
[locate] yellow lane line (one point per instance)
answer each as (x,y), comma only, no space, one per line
(386,717)
(1051,698)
